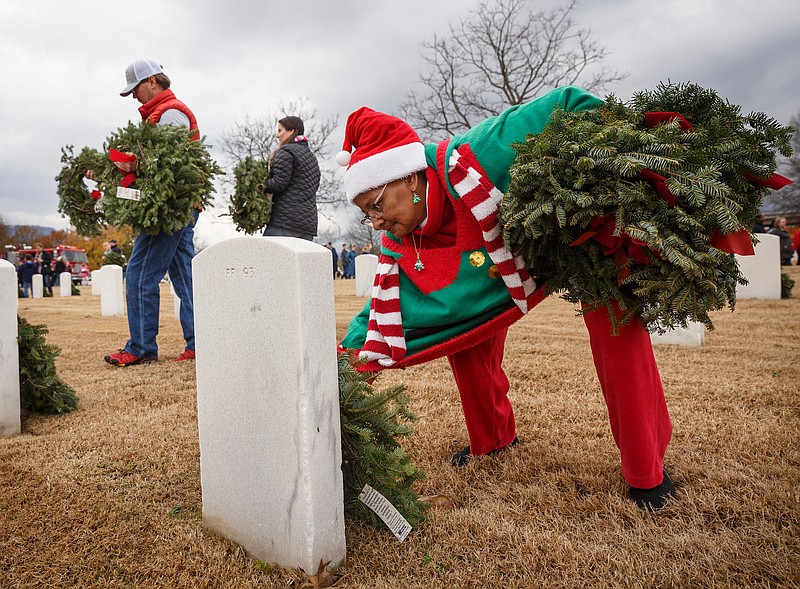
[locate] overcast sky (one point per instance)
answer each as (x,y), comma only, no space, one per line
(63,63)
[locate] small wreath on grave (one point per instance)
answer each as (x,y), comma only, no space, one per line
(173,175)
(111,257)
(641,203)
(75,200)
(250,207)
(372,424)
(41,389)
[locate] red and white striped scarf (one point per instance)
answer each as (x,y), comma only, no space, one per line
(385,340)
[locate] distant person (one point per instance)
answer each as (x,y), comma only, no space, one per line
(44,260)
(26,272)
(779,229)
(351,260)
(343,258)
(60,266)
(293,183)
(154,255)
(759,226)
(112,245)
(335,258)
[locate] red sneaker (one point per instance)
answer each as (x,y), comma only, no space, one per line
(187,355)
(122,358)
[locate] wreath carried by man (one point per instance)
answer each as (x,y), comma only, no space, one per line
(173,175)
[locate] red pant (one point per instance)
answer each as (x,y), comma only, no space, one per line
(483,387)
(629,380)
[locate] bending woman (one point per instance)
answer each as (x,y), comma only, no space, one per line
(446,285)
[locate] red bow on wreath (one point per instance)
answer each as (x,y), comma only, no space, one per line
(732,243)
(118,156)
(623,247)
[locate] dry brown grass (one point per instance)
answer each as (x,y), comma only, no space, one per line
(109,496)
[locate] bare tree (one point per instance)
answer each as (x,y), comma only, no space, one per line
(255,137)
(502,54)
(27,234)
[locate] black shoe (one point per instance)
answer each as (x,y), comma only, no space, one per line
(461,458)
(655,498)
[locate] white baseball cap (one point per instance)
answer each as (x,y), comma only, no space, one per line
(139,70)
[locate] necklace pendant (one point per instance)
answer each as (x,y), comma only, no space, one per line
(418,265)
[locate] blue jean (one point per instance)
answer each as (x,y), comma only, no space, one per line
(152,257)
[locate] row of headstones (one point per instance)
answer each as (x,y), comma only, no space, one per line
(267,395)
(64,281)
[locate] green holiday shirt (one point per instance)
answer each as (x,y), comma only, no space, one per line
(474,295)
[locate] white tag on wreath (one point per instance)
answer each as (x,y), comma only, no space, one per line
(398,525)
(128,193)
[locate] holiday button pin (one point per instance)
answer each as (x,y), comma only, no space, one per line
(477,259)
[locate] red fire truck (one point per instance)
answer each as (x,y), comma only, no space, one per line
(74,257)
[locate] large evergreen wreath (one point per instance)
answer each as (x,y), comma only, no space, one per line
(250,207)
(587,210)
(173,173)
(74,198)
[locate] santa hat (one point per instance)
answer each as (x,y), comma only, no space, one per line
(378,148)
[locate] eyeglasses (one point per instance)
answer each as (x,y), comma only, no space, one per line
(374,212)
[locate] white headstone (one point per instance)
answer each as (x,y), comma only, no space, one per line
(97,277)
(112,303)
(65,284)
(366,265)
(763,270)
(176,302)
(9,352)
(37,286)
(693,335)
(268,399)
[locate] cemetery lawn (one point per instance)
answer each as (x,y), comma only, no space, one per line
(109,495)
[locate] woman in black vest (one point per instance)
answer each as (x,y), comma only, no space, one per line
(293,183)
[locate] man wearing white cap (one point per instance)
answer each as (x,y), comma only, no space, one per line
(155,255)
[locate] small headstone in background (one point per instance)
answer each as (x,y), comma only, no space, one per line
(693,335)
(37,286)
(112,301)
(9,351)
(97,277)
(763,270)
(65,282)
(366,265)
